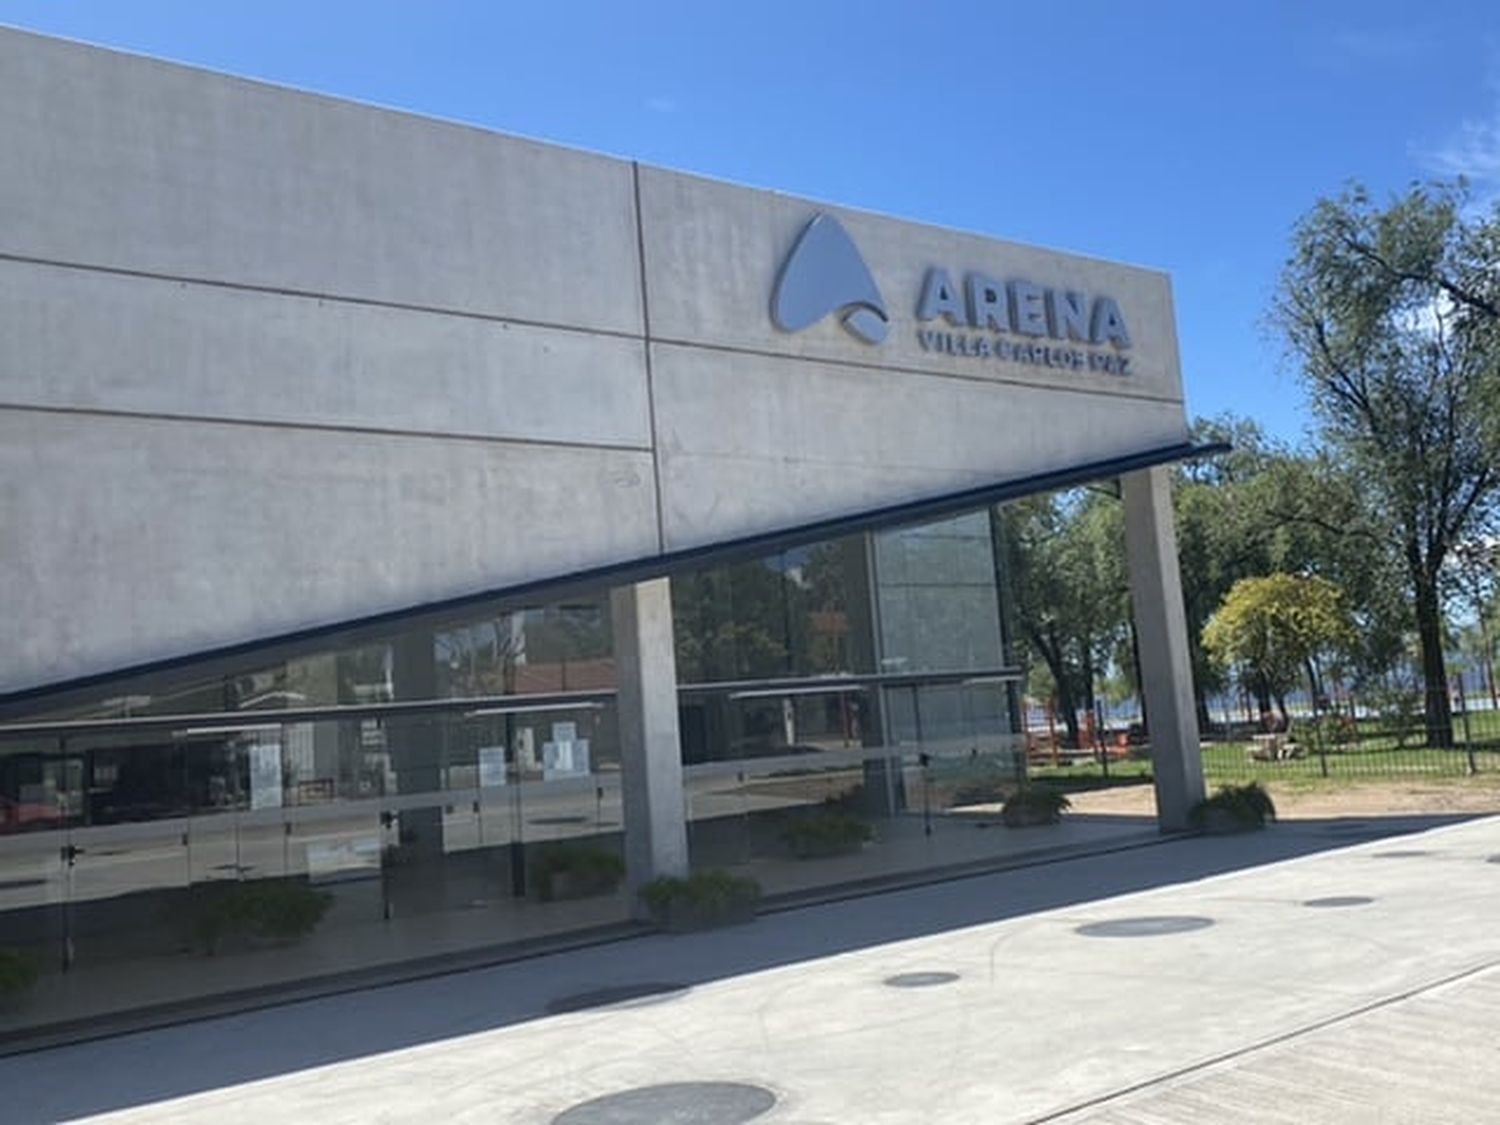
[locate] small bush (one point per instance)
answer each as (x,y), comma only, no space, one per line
(982,792)
(271,909)
(1242,806)
(18,972)
(1034,804)
(705,898)
(826,833)
(575,870)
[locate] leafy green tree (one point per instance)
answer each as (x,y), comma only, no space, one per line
(1064,558)
(1264,508)
(1393,316)
(1275,629)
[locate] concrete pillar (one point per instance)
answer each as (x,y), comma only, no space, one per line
(1161,626)
(650,749)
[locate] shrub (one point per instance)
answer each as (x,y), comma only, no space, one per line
(826,833)
(18,972)
(270,909)
(705,898)
(574,871)
(982,792)
(1034,804)
(1234,807)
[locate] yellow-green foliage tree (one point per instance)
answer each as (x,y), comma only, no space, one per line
(1273,629)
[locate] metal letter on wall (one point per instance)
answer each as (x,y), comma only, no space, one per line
(824,273)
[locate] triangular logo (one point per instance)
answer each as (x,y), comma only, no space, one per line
(824,273)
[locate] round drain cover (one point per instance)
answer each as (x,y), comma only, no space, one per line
(1149,926)
(920,980)
(680,1103)
(615,994)
(1340,900)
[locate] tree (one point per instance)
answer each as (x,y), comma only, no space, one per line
(1393,315)
(1264,508)
(1275,629)
(1064,558)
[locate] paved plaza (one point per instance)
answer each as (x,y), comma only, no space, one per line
(1322,971)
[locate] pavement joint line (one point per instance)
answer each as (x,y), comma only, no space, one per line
(1217,1061)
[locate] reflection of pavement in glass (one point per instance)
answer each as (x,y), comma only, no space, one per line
(92,989)
(902,847)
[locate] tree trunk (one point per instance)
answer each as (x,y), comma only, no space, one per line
(1489,662)
(1437,710)
(1261,689)
(1067,703)
(1052,652)
(1089,698)
(1140,682)
(1314,685)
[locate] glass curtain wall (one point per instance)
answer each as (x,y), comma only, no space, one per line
(451,782)
(850,702)
(445,787)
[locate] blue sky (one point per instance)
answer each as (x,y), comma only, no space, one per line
(1186,136)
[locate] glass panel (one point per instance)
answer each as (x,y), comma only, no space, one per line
(39,795)
(570,819)
(939,606)
(490,650)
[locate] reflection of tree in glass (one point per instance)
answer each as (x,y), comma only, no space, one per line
(743,621)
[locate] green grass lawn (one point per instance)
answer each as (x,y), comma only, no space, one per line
(1370,750)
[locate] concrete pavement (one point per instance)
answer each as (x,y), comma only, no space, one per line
(1318,972)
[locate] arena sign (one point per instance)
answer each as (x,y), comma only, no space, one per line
(1012,320)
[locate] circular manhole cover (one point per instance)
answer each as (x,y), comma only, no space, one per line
(615,994)
(1149,926)
(1340,900)
(920,980)
(680,1103)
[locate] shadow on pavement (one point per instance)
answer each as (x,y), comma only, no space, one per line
(152,1066)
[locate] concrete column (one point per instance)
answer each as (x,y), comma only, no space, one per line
(1161,627)
(650,749)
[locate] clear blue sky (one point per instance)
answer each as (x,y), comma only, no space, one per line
(1187,136)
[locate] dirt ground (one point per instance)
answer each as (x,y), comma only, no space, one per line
(1362,799)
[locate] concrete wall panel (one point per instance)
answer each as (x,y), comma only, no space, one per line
(130,539)
(713,252)
(130,163)
(85,339)
(750,443)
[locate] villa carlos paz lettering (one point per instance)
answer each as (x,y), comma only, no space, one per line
(1091,329)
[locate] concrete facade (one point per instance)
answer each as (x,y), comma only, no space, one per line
(275,361)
